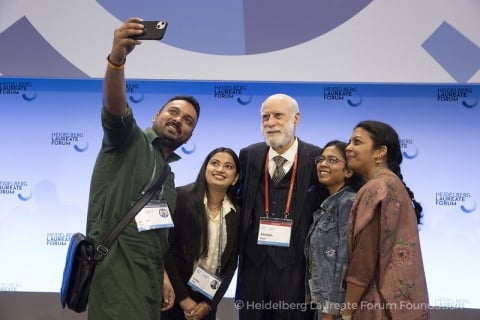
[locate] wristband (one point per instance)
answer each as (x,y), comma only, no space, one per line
(114,65)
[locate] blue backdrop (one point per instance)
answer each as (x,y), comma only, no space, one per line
(51,133)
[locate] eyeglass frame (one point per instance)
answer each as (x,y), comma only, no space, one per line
(330,160)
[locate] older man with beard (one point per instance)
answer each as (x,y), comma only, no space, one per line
(278,194)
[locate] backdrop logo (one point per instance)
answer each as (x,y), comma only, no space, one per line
(241,94)
(463,200)
(134,93)
(58,239)
(18,88)
(463,95)
(349,94)
(19,188)
(470,103)
(10,286)
(409,150)
(450,303)
(189,149)
(75,139)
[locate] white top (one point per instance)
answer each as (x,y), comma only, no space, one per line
(211,261)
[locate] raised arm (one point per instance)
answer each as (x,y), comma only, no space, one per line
(114,86)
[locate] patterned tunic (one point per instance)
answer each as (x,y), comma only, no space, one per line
(385,254)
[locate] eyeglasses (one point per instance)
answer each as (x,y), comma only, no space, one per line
(331,160)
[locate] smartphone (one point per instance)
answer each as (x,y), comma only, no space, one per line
(154,30)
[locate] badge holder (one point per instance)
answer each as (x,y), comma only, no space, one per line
(205,281)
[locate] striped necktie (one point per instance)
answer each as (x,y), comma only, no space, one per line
(279,172)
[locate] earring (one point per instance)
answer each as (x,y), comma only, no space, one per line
(377,161)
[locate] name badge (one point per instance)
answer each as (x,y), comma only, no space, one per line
(205,282)
(275,232)
(155,215)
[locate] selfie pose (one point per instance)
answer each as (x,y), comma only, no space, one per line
(130,283)
(385,278)
(202,257)
(326,245)
(278,193)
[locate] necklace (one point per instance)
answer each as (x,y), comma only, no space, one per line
(214,208)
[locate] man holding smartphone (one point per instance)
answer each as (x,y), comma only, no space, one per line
(130,283)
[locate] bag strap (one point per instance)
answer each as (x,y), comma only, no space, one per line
(102,249)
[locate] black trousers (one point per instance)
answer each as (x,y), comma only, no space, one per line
(266,293)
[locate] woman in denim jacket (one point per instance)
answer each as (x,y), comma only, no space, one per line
(326,244)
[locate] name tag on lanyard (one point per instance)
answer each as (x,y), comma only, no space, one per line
(205,282)
(275,232)
(155,215)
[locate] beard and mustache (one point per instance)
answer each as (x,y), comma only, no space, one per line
(281,137)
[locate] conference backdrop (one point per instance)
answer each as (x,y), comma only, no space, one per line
(414,64)
(274,40)
(51,133)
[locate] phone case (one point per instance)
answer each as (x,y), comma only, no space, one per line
(154,30)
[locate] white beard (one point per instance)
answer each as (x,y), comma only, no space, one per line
(281,140)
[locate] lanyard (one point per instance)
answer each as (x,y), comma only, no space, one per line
(220,241)
(290,189)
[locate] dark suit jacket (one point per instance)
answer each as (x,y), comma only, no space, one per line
(307,192)
(180,269)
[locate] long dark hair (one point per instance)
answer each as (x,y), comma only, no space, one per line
(196,240)
(356,181)
(383,134)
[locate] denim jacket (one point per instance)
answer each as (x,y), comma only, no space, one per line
(326,252)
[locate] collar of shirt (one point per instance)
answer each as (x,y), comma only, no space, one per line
(227,205)
(154,139)
(211,261)
(289,155)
